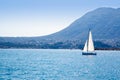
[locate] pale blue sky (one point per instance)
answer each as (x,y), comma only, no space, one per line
(42,17)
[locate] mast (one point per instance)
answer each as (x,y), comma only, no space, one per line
(88,40)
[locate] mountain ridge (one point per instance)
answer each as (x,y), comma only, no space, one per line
(91,20)
(103,22)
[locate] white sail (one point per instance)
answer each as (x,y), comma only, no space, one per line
(89,46)
(85,47)
(90,42)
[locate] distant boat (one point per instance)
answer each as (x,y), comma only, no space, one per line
(89,46)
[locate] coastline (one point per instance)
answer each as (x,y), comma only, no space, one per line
(105,49)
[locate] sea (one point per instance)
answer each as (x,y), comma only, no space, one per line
(58,64)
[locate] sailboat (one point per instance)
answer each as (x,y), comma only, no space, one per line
(89,46)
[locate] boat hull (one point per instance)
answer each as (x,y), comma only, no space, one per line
(89,53)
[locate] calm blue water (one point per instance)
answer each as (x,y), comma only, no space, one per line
(35,64)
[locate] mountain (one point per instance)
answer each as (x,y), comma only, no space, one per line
(103,22)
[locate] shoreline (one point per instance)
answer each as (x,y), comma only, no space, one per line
(64,49)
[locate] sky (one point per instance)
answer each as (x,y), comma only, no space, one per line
(42,17)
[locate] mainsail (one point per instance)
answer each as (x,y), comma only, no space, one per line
(89,46)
